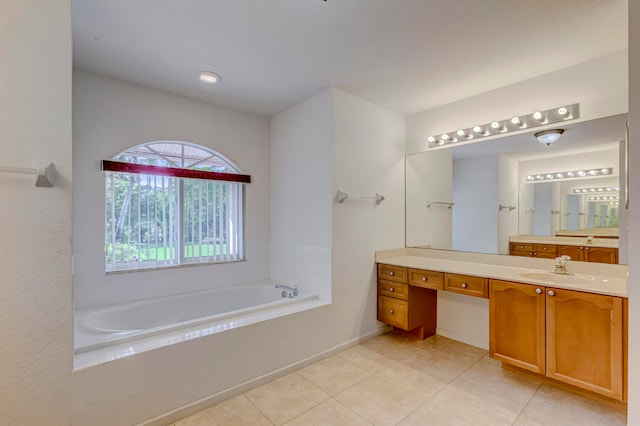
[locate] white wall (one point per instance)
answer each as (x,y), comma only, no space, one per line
(633,415)
(110,116)
(301,190)
(600,86)
(35,223)
(475,214)
(368,157)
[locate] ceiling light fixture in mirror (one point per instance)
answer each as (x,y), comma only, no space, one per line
(573,174)
(514,124)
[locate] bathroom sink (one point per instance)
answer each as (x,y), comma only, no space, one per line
(550,276)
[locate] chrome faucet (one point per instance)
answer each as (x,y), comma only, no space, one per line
(560,266)
(288,292)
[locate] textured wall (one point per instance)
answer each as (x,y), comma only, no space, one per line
(35,223)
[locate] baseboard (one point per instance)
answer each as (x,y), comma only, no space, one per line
(202,404)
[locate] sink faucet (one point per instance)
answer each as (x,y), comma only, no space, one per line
(288,292)
(560,267)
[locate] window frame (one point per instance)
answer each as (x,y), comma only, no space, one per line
(232,186)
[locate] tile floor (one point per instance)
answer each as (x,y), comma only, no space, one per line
(393,380)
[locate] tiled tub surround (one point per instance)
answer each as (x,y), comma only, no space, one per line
(117,331)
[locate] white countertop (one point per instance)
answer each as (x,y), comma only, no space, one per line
(608,284)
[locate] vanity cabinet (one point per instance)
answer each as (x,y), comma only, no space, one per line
(590,253)
(545,251)
(570,336)
(405,305)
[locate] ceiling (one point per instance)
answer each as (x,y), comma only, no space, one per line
(405,55)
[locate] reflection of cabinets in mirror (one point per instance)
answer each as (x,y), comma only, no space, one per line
(590,254)
(579,253)
(571,336)
(545,251)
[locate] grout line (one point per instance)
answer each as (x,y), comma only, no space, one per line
(528,402)
(256,407)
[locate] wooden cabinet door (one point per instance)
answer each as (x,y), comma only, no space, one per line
(584,340)
(575,252)
(517,324)
(602,254)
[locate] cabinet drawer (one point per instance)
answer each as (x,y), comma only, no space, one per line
(392,273)
(426,279)
(393,312)
(464,284)
(545,248)
(521,247)
(393,289)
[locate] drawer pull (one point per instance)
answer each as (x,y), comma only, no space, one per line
(463,285)
(521,247)
(539,290)
(392,273)
(424,278)
(546,248)
(391,289)
(551,293)
(391,311)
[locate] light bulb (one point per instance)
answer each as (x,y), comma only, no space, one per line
(562,111)
(538,116)
(209,77)
(431,139)
(581,173)
(604,171)
(445,137)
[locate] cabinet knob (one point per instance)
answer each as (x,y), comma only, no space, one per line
(539,290)
(424,278)
(546,248)
(392,273)
(391,289)
(391,311)
(534,253)
(581,248)
(551,293)
(463,285)
(586,248)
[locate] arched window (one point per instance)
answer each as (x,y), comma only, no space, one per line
(172,203)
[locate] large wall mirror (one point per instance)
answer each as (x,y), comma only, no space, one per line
(475,197)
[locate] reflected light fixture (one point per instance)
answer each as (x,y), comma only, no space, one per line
(548,136)
(601,171)
(513,124)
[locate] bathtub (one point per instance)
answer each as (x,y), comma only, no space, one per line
(115,331)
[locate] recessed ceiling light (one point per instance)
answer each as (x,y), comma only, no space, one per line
(209,77)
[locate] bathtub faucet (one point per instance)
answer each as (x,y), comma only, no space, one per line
(287,291)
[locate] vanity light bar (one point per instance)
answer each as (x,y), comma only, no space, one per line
(612,198)
(599,189)
(507,125)
(604,171)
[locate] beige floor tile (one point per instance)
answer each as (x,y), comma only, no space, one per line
(286,398)
(558,407)
(421,385)
(489,376)
(329,413)
(476,406)
(429,414)
(334,374)
(393,345)
(444,344)
(441,364)
(379,401)
(236,411)
(366,358)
